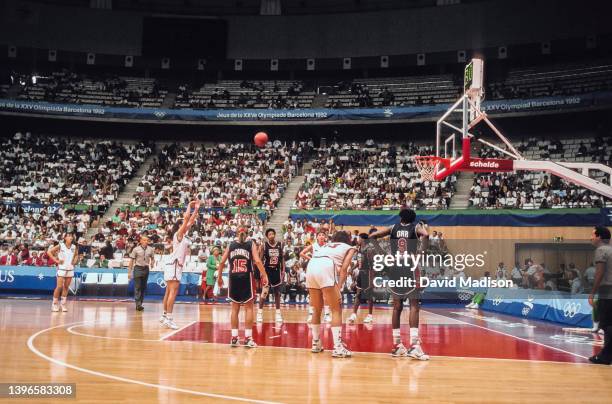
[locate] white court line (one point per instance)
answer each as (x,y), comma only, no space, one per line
(510,335)
(124,379)
(71,330)
(177,331)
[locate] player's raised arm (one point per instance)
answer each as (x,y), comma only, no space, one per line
(221,266)
(186,221)
(345,264)
(259,264)
(381,233)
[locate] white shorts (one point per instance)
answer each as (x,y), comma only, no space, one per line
(65,273)
(172,271)
(321,273)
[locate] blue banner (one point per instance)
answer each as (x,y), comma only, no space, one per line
(603,98)
(35,207)
(560,307)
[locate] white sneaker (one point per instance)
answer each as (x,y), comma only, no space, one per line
(595,327)
(55,307)
(399,350)
(352,319)
(469,305)
(249,343)
(259,317)
(170,324)
(327,318)
(278,318)
(416,352)
(341,351)
(369,319)
(317,346)
(64,308)
(475,306)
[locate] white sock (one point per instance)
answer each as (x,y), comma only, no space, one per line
(326,309)
(396,336)
(336,334)
(55,300)
(259,311)
(310,310)
(315,331)
(64,300)
(278,312)
(414,334)
(169,316)
(248,333)
(234,332)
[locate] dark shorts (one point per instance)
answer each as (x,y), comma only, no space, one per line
(364,285)
(241,288)
(403,274)
(274,277)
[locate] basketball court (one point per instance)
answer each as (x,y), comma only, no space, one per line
(115,354)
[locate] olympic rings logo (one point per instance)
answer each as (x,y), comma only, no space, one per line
(161,283)
(497,300)
(571,309)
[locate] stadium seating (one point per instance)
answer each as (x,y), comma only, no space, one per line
(68,87)
(534,190)
(352,176)
(244,94)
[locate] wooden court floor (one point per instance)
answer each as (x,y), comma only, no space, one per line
(117,355)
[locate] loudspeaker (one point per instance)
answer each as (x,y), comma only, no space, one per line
(545,48)
(421,59)
(128,61)
(201,64)
(238,64)
(461,56)
(384,62)
(52,55)
(274,65)
(310,64)
(591,42)
(502,52)
(12,51)
(165,63)
(346,64)
(91,58)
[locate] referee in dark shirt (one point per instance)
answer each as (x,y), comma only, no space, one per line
(602,287)
(142,258)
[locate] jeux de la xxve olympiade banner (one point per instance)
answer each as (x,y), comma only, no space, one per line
(603,98)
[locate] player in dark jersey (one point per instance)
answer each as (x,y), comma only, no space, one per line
(242,254)
(274,262)
(405,237)
(365,277)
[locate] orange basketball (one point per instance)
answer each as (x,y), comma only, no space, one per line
(261,138)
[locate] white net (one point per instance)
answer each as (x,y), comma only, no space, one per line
(427,166)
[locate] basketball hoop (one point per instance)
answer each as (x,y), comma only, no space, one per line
(427,166)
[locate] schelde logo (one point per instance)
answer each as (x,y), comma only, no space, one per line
(483,164)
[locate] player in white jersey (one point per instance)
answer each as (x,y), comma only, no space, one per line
(173,266)
(323,284)
(306,254)
(65,255)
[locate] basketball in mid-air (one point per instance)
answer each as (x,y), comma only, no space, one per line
(260,139)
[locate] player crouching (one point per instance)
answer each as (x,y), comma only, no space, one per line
(242,254)
(323,285)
